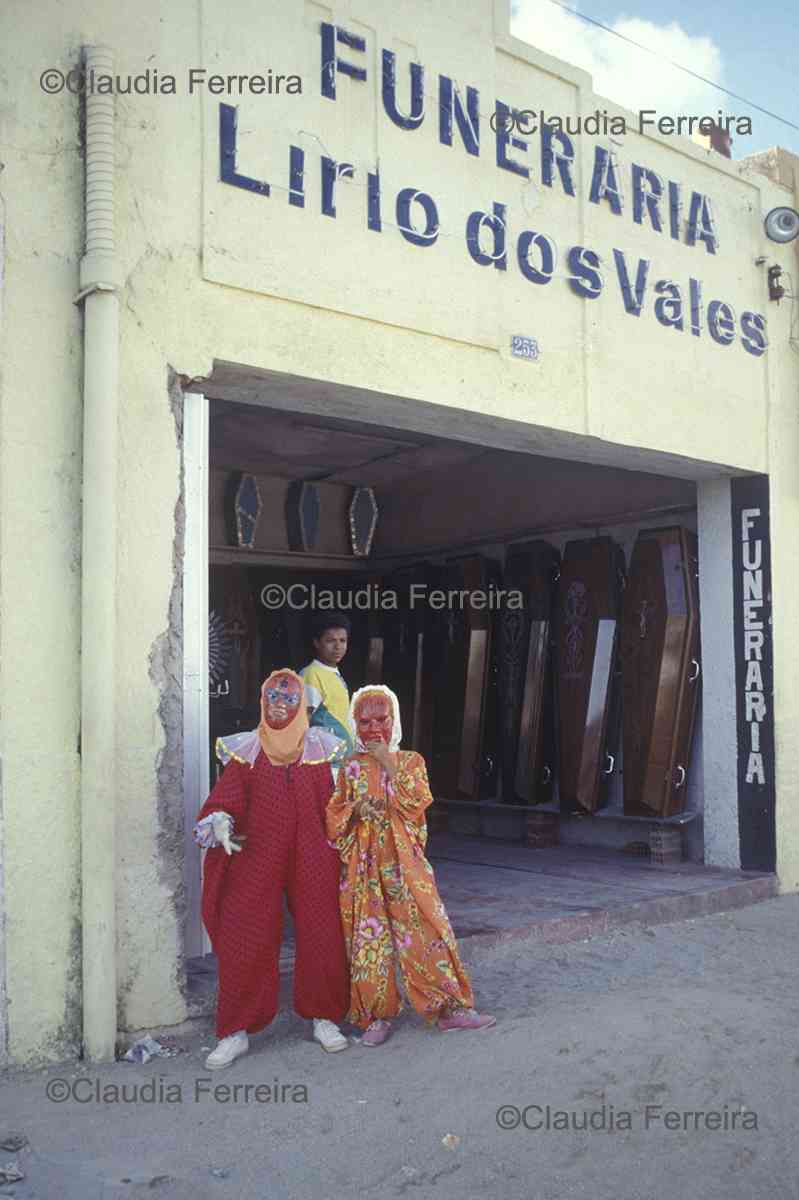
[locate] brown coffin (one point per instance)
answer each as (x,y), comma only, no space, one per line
(525,674)
(589,603)
(231,597)
(660,670)
(460,674)
(405,649)
(234,697)
(376,646)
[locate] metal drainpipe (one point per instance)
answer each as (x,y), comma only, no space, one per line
(98,294)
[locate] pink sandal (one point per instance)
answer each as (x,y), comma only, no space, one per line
(376,1033)
(465,1018)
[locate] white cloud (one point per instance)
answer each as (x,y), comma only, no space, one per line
(623,73)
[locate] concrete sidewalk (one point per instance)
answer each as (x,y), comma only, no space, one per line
(495,891)
(697,1016)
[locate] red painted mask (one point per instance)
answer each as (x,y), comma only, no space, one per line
(374,720)
(280,701)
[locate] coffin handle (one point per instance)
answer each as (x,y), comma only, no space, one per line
(546,775)
(697,671)
(680,777)
(643,613)
(611,764)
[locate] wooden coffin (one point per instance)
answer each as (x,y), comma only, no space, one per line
(231,598)
(527,706)
(660,670)
(376,631)
(462,674)
(234,672)
(405,648)
(589,605)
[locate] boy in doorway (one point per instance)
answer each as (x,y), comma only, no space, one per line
(326,692)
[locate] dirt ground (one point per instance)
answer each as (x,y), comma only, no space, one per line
(675,1045)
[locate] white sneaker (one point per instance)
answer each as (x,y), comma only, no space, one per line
(328,1035)
(228,1050)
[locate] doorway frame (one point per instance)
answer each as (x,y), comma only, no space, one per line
(268,390)
(196,769)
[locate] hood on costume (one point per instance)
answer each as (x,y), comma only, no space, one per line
(295,743)
(284,746)
(381,690)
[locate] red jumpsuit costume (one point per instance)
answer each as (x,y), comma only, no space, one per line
(281,811)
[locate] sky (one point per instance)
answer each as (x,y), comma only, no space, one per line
(751,49)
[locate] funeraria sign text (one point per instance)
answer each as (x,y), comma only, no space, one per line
(657,202)
(753,638)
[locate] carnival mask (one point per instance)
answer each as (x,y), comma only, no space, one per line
(374,719)
(280,701)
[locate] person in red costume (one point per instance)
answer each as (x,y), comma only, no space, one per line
(263,827)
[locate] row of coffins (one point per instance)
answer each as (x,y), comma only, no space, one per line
(522,700)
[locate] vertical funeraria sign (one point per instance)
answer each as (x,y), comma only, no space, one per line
(666,207)
(754,671)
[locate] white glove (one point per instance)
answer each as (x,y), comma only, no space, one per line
(221,825)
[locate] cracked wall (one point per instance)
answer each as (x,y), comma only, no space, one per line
(166,672)
(151,897)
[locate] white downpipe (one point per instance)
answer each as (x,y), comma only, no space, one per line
(98,577)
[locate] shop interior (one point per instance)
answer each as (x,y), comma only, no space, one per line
(512,602)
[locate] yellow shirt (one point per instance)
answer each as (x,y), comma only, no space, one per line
(325,686)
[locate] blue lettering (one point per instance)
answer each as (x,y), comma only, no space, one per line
(331,172)
(449,102)
(547,251)
(331,64)
(669,305)
(633,297)
(721,322)
(700,223)
(675,210)
(647,191)
(562,159)
(604,181)
(585,279)
(416,115)
(228,120)
(753,330)
(405,199)
(373,200)
(496,224)
(695,291)
(504,140)
(297,177)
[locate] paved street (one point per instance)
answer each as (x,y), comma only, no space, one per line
(698,1016)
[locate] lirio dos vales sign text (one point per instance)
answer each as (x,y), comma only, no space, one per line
(655,201)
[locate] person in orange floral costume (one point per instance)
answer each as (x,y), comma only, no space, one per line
(390,908)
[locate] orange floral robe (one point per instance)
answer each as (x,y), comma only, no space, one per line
(391,911)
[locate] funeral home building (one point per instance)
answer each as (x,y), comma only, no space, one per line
(375,308)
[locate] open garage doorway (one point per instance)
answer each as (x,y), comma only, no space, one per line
(562,709)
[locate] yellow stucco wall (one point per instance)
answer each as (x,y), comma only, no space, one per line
(215,272)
